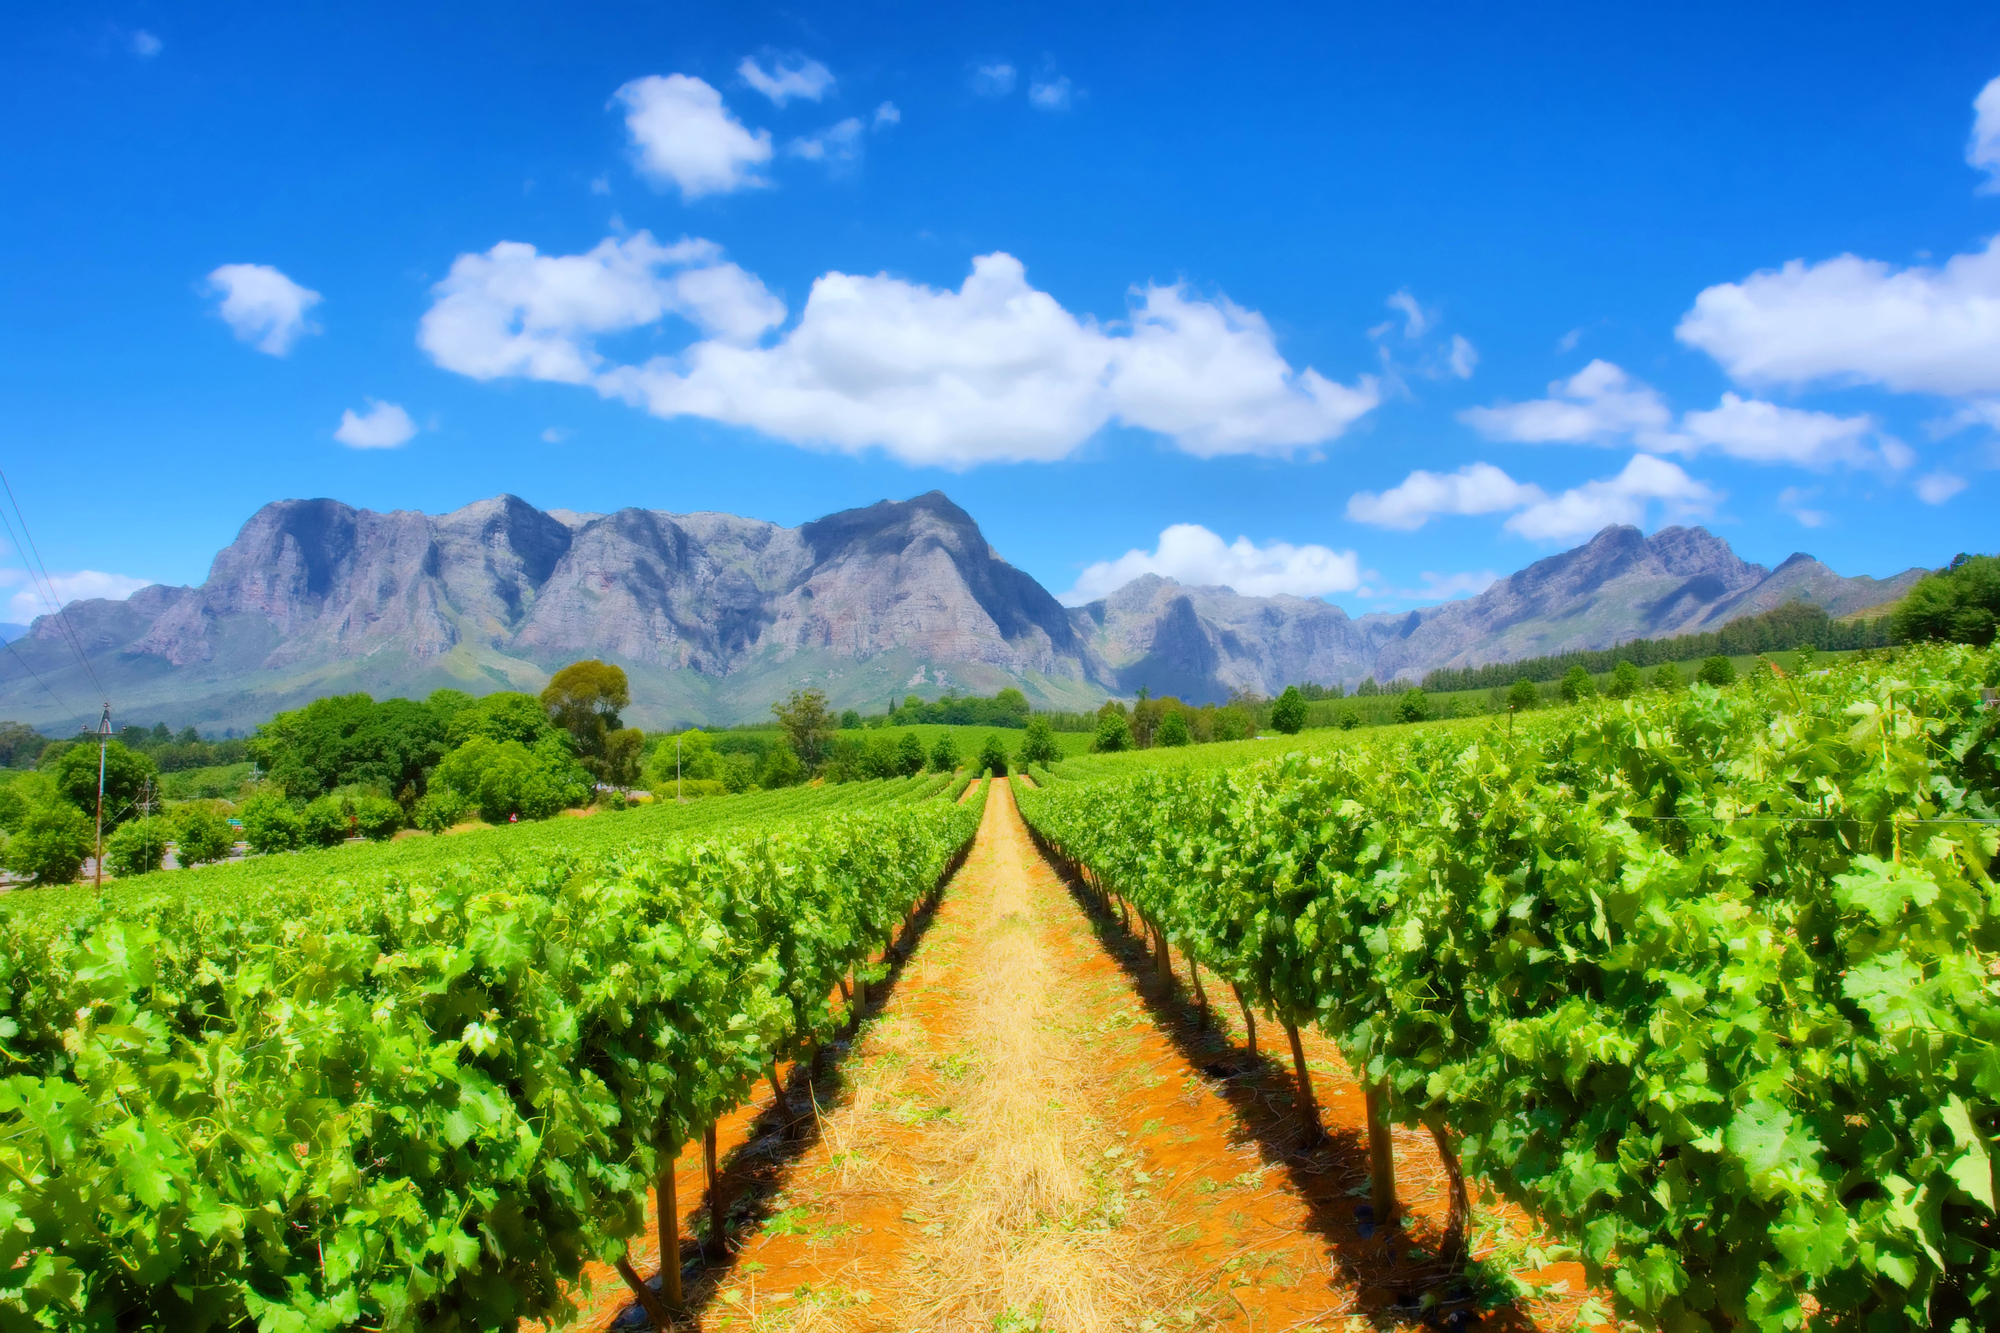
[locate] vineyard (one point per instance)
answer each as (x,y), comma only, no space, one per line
(1705,985)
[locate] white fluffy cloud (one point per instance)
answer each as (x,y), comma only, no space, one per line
(1190,554)
(81,585)
(144,44)
(995,371)
(834,144)
(263,306)
(1051,94)
(686,137)
(1477,488)
(887,115)
(1858,321)
(1983,151)
(382,426)
(994,80)
(1937,487)
(1602,405)
(789,76)
(1625,498)
(514,311)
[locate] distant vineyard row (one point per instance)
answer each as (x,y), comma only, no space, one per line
(1708,982)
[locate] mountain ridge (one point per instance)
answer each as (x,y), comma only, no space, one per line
(714,615)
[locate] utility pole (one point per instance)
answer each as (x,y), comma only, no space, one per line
(678,799)
(103,739)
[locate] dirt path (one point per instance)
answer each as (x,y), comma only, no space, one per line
(1035,1132)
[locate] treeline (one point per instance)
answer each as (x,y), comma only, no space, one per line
(1169,722)
(1791,626)
(21,746)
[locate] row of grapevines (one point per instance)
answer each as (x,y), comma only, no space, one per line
(1707,983)
(423,1101)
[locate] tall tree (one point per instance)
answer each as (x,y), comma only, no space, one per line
(808,726)
(1289,713)
(1961,604)
(584,699)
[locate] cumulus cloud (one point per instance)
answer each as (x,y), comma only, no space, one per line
(1937,487)
(1983,151)
(994,80)
(1602,405)
(1625,498)
(514,311)
(1190,554)
(82,585)
(789,76)
(1477,488)
(685,137)
(1050,95)
(1858,321)
(994,371)
(382,426)
(835,144)
(1793,500)
(263,306)
(887,115)
(144,44)
(1464,357)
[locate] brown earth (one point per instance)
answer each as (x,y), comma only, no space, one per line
(1035,1131)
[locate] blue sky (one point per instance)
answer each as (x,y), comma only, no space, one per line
(1364,302)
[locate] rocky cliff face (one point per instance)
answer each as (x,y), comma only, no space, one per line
(714,616)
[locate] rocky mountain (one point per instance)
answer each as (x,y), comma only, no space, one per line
(714,616)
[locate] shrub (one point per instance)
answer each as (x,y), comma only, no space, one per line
(1174,732)
(909,754)
(52,842)
(993,754)
(1039,745)
(201,836)
(378,818)
(271,824)
(323,823)
(1668,678)
(1718,671)
(1522,696)
(137,848)
(1414,706)
(1114,733)
(944,755)
(1347,720)
(1961,604)
(439,809)
(1289,713)
(780,767)
(1577,685)
(1624,683)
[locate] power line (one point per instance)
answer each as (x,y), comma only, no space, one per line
(62,619)
(81,724)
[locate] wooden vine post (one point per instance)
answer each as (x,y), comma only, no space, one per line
(1381,1157)
(1200,995)
(1308,1104)
(1249,1019)
(718,1210)
(667,1218)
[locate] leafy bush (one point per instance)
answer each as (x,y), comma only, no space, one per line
(126,775)
(138,847)
(1624,682)
(1173,732)
(1960,605)
(944,754)
(909,754)
(324,823)
(1114,733)
(1577,685)
(1347,719)
(1668,678)
(271,824)
(201,836)
(1288,715)
(1718,671)
(503,778)
(439,809)
(992,754)
(1414,706)
(378,818)
(1521,696)
(52,842)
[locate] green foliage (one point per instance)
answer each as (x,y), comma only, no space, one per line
(1717,671)
(419,1085)
(350,740)
(1702,982)
(808,728)
(944,754)
(1039,745)
(271,824)
(584,699)
(1114,733)
(1577,686)
(505,716)
(1173,731)
(377,818)
(201,836)
(909,754)
(21,745)
(1414,706)
(502,779)
(1668,679)
(324,823)
(1521,695)
(1959,605)
(21,793)
(780,767)
(1288,715)
(51,843)
(1008,708)
(138,846)
(439,809)
(1625,681)
(992,755)
(1347,719)
(126,779)
(850,719)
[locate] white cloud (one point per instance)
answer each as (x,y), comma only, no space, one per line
(382,426)
(144,44)
(263,306)
(994,80)
(686,137)
(1444,587)
(81,585)
(1983,151)
(1793,501)
(1415,321)
(1937,487)
(789,76)
(1190,554)
(834,144)
(1602,405)
(1052,95)
(1568,342)
(1625,498)
(1477,488)
(513,311)
(555,435)
(1464,357)
(1858,321)
(995,371)
(887,115)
